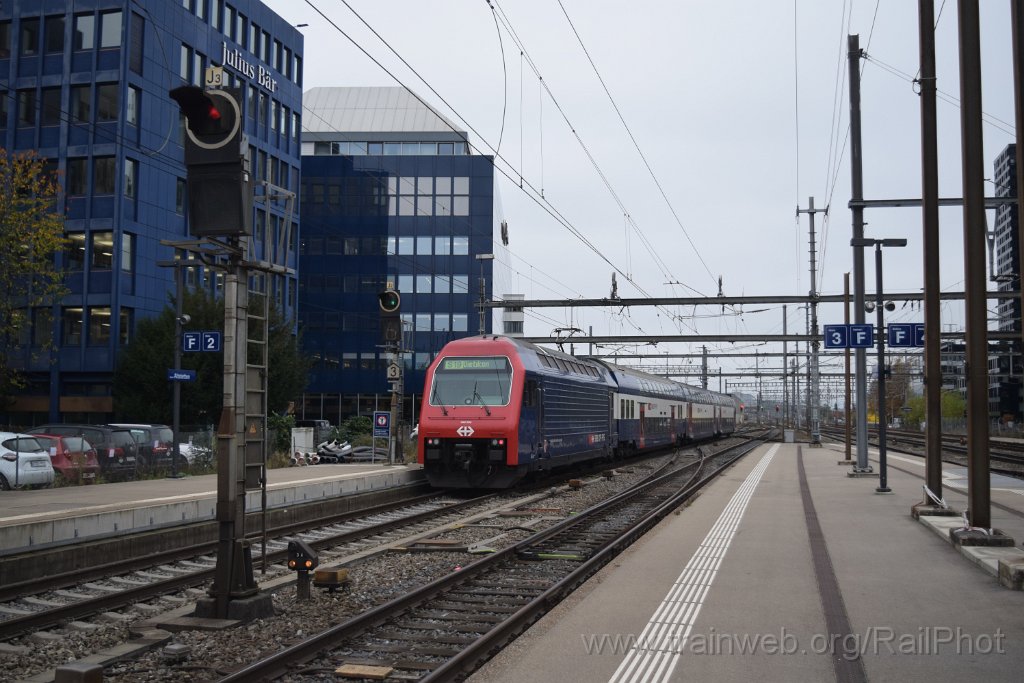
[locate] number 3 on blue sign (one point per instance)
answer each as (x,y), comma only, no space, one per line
(836,336)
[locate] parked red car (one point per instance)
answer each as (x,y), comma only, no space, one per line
(74,459)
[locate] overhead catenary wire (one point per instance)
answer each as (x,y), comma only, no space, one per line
(636,145)
(532,193)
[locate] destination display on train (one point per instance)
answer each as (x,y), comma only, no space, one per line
(474,364)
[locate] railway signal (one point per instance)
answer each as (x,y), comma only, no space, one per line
(390,301)
(302,559)
(219,186)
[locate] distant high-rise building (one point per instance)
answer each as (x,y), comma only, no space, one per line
(1005,358)
(391,195)
(1007,246)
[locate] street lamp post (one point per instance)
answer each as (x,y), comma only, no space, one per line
(883,486)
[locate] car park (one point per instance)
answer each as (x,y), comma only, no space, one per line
(116,448)
(23,462)
(156,444)
(73,457)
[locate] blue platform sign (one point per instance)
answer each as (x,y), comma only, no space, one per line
(211,341)
(181,375)
(862,336)
(200,341)
(190,341)
(837,336)
(919,335)
(381,424)
(901,335)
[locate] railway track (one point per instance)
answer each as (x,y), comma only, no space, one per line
(55,600)
(447,628)
(1010,455)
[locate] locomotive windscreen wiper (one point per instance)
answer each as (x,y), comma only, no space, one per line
(434,396)
(478,397)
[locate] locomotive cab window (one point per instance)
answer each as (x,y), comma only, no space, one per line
(482,381)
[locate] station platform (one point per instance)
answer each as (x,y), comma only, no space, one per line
(787,569)
(44,518)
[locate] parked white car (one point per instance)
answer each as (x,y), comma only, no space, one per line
(23,462)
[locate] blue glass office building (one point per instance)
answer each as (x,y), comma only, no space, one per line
(391,194)
(86,86)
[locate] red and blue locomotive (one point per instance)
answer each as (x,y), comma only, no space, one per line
(497,408)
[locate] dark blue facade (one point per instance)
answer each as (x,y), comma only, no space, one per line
(86,86)
(415,221)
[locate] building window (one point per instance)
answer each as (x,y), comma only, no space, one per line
(101,248)
(99,325)
(29,37)
(71,324)
(460,246)
(106,102)
(26,108)
(229,21)
(459,322)
(266,47)
(275,116)
(131,175)
(216,10)
(42,327)
(276,56)
(297,70)
(254,39)
(241,30)
(423,245)
(54,34)
(460,284)
(125,330)
(185,65)
(138,33)
(442,246)
(104,178)
(5,39)
(201,9)
(199,62)
(81,103)
(78,177)
(127,252)
(262,115)
(423,322)
(442,284)
(85,32)
(179,198)
(50,107)
(441,322)
(110,29)
(132,105)
(74,252)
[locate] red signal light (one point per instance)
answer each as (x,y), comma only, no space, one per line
(213,113)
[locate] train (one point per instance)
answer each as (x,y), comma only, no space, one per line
(496,409)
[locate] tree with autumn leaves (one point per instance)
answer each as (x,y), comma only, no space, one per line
(31,234)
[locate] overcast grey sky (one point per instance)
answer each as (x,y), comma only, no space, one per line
(739,107)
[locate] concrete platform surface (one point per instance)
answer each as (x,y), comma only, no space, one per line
(51,516)
(728,590)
